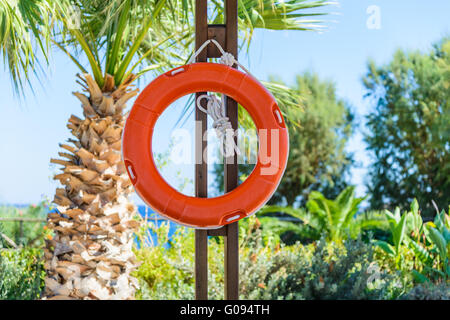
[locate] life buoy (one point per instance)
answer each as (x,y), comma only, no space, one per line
(244,200)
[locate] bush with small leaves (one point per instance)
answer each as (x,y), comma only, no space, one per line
(429,291)
(320,271)
(21,274)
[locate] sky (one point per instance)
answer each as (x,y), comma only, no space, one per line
(32,127)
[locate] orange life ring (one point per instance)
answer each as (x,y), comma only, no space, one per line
(248,197)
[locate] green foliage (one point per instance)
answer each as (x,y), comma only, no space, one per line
(21,274)
(336,219)
(21,270)
(167,269)
(30,234)
(347,269)
(25,29)
(268,270)
(428,243)
(323,270)
(319,126)
(428,291)
(317,137)
(116,37)
(123,28)
(408,132)
(434,251)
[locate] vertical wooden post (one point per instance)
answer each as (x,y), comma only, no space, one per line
(20,231)
(231,166)
(201,167)
(227,35)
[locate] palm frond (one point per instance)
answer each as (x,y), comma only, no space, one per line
(25,29)
(113,35)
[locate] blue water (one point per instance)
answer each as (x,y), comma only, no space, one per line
(149,214)
(145,212)
(152,239)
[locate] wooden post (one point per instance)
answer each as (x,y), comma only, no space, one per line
(201,168)
(227,36)
(231,167)
(20,231)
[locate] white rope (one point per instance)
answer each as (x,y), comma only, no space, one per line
(226,58)
(216,108)
(221,124)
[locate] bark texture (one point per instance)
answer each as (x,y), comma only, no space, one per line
(90,255)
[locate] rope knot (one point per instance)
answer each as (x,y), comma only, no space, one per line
(215,107)
(227,59)
(224,130)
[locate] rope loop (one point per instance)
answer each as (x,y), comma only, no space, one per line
(215,108)
(224,130)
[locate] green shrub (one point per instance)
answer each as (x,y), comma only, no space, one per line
(429,291)
(268,270)
(167,271)
(21,274)
(323,270)
(336,219)
(421,249)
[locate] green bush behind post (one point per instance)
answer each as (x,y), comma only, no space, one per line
(324,269)
(349,269)
(269,270)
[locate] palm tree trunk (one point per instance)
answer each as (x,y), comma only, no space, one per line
(90,255)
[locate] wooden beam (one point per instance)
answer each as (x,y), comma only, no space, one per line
(227,36)
(218,33)
(201,168)
(231,165)
(220,232)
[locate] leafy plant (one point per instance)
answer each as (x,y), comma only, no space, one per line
(434,251)
(25,30)
(268,269)
(22,274)
(429,242)
(397,225)
(167,265)
(337,219)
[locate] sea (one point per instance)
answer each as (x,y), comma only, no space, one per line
(152,239)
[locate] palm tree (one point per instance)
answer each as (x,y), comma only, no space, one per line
(25,29)
(90,255)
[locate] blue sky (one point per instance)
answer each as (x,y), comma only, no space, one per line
(31,129)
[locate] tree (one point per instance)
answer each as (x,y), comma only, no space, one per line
(408,130)
(319,127)
(90,255)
